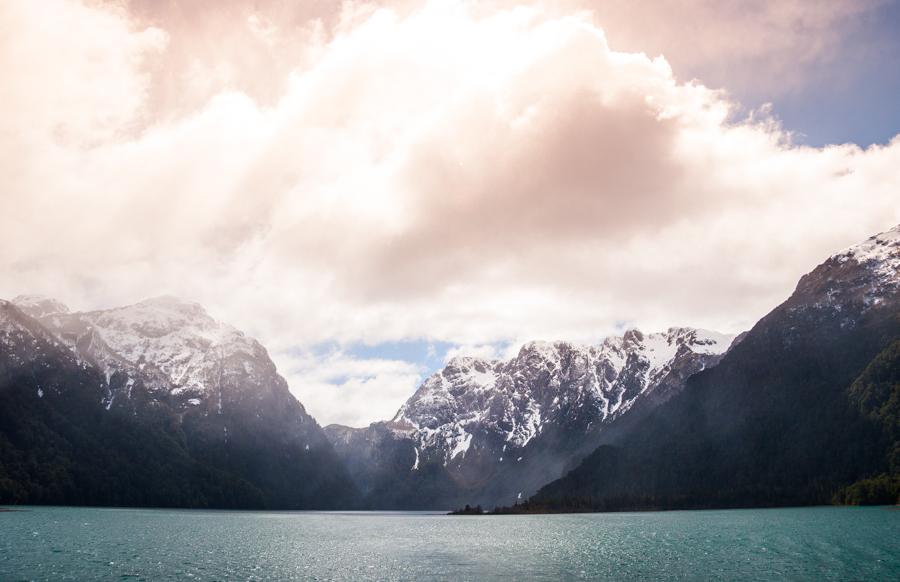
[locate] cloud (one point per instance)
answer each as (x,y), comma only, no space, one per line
(484,351)
(350,390)
(755,48)
(471,175)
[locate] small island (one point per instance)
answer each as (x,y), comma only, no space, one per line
(468,510)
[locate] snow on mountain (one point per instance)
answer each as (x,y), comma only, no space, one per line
(24,344)
(488,431)
(39,305)
(204,392)
(880,255)
(7,320)
(854,280)
(882,249)
(789,417)
(17,325)
(180,339)
(547,383)
(169,348)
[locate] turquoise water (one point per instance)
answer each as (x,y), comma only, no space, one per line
(62,543)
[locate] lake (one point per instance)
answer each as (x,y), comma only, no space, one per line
(823,543)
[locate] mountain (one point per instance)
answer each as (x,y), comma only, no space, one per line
(91,400)
(490,431)
(803,411)
(39,306)
(159,404)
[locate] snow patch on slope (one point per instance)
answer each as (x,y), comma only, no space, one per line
(880,253)
(178,337)
(515,399)
(39,306)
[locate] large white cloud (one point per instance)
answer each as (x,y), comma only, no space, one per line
(352,391)
(470,176)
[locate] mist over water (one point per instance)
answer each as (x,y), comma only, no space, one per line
(58,543)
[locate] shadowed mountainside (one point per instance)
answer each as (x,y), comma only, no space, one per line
(803,411)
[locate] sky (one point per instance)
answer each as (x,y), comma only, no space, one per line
(372,188)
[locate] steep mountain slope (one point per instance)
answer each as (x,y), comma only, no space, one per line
(164,365)
(876,393)
(804,406)
(492,431)
(59,445)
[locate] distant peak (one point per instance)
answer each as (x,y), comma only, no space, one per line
(465,361)
(680,330)
(544,349)
(39,305)
(633,335)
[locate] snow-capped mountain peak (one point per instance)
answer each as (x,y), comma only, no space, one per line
(864,276)
(504,427)
(195,389)
(550,382)
(177,337)
(39,305)
(168,348)
(881,253)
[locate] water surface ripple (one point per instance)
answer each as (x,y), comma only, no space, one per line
(828,543)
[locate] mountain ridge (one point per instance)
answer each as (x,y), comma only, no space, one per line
(206,392)
(497,429)
(779,421)
(629,423)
